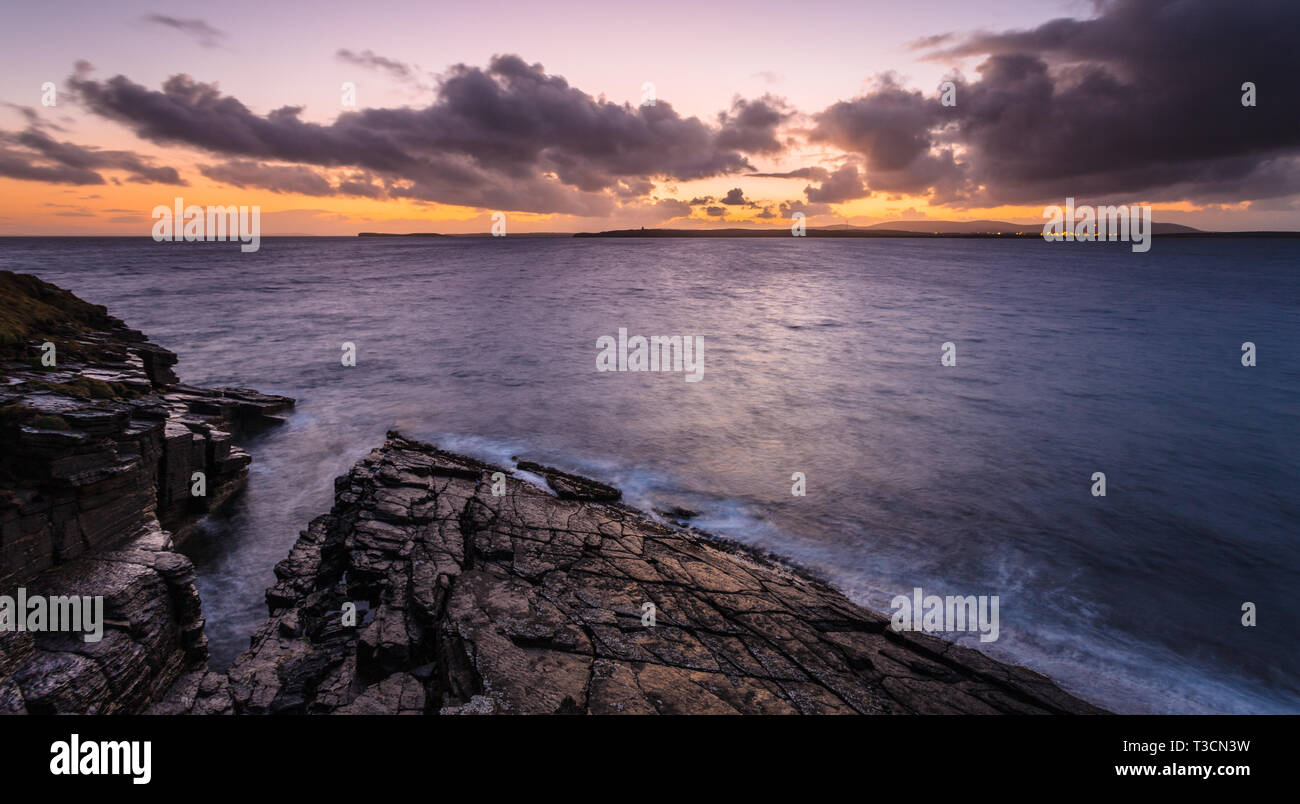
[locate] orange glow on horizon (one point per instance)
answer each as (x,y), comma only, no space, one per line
(36,208)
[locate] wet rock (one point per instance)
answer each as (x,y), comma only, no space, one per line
(478,705)
(472,603)
(677,514)
(572,487)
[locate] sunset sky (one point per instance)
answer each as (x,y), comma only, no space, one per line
(761,109)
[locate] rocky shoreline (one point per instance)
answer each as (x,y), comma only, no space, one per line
(99,450)
(437,584)
(477,592)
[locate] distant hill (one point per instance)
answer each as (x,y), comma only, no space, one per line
(887,229)
(466,234)
(957,227)
(399,234)
(978,229)
(995,227)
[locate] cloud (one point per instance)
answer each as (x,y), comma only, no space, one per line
(34,119)
(671,208)
(206,35)
(735,197)
(17,165)
(508,137)
(1142,101)
(929,42)
(897,133)
(788,208)
(298,179)
(750,125)
(844,184)
(812,173)
(371,61)
(34,155)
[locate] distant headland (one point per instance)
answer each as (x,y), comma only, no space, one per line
(939,229)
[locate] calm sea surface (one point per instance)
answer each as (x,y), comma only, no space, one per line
(822,357)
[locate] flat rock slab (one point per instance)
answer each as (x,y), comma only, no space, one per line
(422,591)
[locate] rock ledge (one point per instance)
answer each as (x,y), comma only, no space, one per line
(470,603)
(99,446)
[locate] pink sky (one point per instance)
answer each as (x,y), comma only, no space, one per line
(699,57)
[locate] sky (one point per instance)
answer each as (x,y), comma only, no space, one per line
(578,116)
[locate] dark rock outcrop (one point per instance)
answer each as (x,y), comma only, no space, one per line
(571,487)
(98,460)
(470,603)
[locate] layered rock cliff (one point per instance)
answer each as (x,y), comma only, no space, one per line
(478,593)
(101,453)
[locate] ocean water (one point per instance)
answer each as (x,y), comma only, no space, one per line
(822,357)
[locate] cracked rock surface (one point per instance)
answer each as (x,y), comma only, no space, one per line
(533,602)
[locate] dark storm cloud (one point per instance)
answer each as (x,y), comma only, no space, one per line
(1144,99)
(751,125)
(891,126)
(896,131)
(735,197)
(206,35)
(844,184)
(506,137)
(33,155)
(360,186)
(1140,102)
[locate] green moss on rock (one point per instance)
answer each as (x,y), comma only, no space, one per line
(47,421)
(85,388)
(31,308)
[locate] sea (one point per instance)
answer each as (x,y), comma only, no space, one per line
(822,359)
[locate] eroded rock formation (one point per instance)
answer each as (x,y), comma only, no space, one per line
(98,455)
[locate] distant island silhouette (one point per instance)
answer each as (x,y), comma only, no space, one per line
(922,228)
